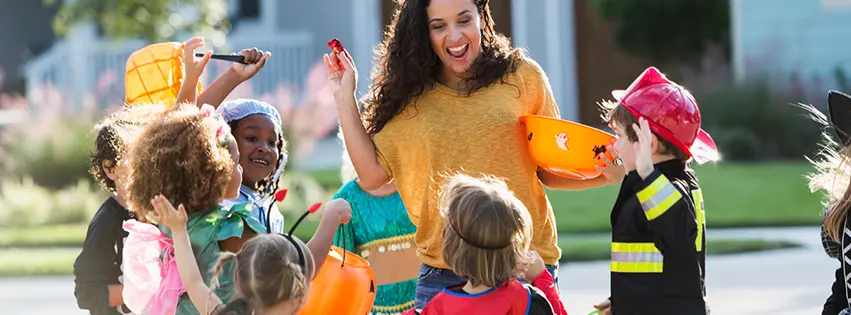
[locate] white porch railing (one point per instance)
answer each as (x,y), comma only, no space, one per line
(85,70)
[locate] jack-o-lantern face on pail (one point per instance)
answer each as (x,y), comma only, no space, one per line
(345,284)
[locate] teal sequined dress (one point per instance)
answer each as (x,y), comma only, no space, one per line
(381,232)
(205,230)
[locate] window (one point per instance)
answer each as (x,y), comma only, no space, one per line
(248,9)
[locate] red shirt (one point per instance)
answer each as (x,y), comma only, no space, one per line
(509,298)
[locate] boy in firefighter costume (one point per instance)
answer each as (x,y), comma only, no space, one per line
(833,177)
(658,241)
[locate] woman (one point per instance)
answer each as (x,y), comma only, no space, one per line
(446,98)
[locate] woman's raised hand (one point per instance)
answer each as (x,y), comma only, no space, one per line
(343,80)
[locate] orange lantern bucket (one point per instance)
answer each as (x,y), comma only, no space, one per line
(155,74)
(344,285)
(565,148)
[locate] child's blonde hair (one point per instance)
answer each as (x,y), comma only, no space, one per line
(488,230)
(269,269)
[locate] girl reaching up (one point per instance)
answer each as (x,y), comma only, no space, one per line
(189,155)
(272,271)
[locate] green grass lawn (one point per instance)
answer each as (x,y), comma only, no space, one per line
(60,260)
(736,195)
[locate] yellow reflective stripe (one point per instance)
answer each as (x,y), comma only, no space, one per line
(636,267)
(699,209)
(618,247)
(658,197)
(636,257)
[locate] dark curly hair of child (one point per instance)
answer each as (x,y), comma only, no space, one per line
(267,272)
(114,133)
(178,155)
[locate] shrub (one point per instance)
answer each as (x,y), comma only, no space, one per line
(23,203)
(753,122)
(54,155)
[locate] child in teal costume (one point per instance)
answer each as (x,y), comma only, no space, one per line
(381,232)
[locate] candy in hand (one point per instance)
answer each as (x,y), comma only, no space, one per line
(337,48)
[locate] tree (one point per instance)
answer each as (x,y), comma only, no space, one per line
(151,20)
(668,30)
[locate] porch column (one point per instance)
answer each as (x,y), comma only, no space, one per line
(551,42)
(366,31)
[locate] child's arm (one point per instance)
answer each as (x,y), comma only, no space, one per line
(543,280)
(336,212)
(199,293)
(192,70)
(95,288)
(216,93)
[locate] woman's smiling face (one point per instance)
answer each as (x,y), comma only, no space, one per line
(455,30)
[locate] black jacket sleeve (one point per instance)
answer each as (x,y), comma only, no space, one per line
(95,267)
(538,304)
(670,213)
(836,301)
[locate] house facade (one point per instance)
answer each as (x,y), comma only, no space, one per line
(800,42)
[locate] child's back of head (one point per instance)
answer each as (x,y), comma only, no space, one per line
(273,272)
(488,230)
(187,155)
(113,136)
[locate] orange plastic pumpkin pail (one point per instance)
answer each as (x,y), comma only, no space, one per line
(565,148)
(344,285)
(155,74)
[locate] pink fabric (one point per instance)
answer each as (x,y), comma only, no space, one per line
(151,285)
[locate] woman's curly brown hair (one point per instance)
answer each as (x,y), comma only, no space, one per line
(114,133)
(177,155)
(406,63)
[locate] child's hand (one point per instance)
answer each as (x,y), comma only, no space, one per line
(535,268)
(643,148)
(604,307)
(342,80)
(194,68)
(165,214)
(613,172)
(337,211)
(255,59)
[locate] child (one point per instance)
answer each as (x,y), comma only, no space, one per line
(189,155)
(98,268)
(257,126)
(382,233)
(272,271)
(832,177)
(658,255)
(486,242)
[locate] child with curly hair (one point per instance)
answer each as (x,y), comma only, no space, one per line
(98,269)
(272,276)
(486,242)
(257,128)
(189,155)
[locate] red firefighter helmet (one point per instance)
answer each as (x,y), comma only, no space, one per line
(671,111)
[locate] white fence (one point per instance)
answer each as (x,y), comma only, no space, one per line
(84,69)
